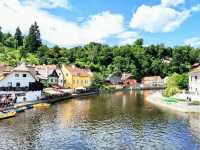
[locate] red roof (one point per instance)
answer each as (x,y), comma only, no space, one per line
(195,65)
(75,71)
(151,78)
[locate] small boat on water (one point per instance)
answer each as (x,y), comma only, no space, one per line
(21,109)
(29,106)
(5,115)
(41,105)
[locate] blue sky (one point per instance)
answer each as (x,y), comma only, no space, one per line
(116,22)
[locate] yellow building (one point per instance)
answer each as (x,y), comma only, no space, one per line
(75,77)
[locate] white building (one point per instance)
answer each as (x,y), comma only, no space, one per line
(194,81)
(21,83)
(46,73)
(152,81)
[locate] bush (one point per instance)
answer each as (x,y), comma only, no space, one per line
(175,83)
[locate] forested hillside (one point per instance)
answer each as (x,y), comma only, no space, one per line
(103,59)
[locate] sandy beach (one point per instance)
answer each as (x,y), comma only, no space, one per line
(180,106)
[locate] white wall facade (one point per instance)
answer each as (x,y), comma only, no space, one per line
(21,95)
(153,83)
(61,77)
(194,83)
(23,78)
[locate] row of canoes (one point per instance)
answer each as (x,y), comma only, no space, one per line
(12,113)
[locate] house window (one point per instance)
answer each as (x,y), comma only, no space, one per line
(9,84)
(24,75)
(67,74)
(17,84)
(196,77)
(51,80)
(77,81)
(73,81)
(16,75)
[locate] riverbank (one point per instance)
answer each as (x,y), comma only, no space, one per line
(57,98)
(51,100)
(179,106)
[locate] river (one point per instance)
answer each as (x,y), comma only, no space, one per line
(122,120)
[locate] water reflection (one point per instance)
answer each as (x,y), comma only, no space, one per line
(122,120)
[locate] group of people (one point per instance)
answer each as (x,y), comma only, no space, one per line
(6,101)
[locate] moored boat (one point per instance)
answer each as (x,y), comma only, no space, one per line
(41,105)
(21,109)
(29,106)
(5,115)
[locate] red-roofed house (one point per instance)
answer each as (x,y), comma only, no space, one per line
(75,77)
(128,80)
(153,81)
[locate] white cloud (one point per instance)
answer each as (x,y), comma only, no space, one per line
(56,30)
(169,3)
(47,3)
(196,8)
(128,37)
(194,41)
(160,18)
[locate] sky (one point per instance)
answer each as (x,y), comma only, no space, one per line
(70,23)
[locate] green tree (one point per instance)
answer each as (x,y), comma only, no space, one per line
(33,40)
(31,59)
(18,37)
(139,42)
(175,83)
(97,81)
(10,42)
(1,35)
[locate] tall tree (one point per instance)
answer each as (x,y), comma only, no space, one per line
(1,35)
(139,42)
(18,37)
(33,40)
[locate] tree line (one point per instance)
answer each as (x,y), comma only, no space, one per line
(135,58)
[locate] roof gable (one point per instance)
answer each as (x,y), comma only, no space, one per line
(75,71)
(151,78)
(54,74)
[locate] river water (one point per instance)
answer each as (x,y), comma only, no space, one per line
(122,120)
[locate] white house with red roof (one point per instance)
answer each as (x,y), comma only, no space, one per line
(21,82)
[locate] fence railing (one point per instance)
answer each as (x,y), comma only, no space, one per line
(19,89)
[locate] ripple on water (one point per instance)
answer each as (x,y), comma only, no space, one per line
(111,121)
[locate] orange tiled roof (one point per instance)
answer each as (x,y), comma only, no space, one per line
(195,70)
(75,71)
(151,78)
(5,69)
(46,66)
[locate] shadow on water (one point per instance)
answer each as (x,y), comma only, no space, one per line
(121,120)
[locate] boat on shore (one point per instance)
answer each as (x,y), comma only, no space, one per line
(5,115)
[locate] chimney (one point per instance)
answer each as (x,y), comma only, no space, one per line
(73,66)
